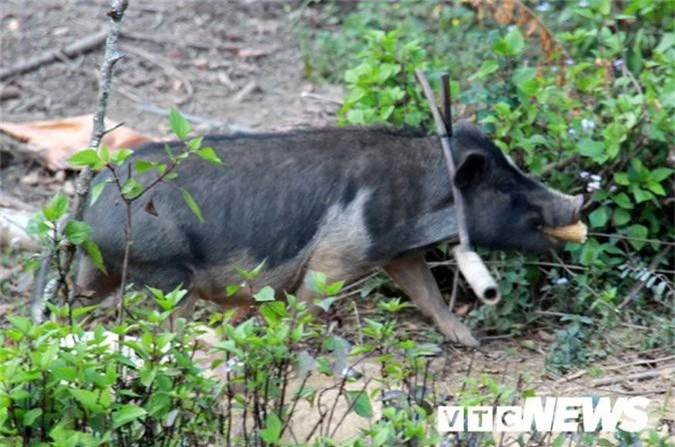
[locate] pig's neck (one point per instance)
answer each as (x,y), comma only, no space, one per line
(438,221)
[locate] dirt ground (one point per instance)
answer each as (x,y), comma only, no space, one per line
(231,64)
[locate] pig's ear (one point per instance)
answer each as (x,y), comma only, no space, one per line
(471,169)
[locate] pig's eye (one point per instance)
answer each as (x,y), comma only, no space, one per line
(536,223)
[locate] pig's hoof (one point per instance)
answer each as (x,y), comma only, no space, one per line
(462,335)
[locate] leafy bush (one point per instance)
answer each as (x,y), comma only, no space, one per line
(62,385)
(137,384)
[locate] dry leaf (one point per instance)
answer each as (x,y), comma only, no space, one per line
(53,141)
(150,208)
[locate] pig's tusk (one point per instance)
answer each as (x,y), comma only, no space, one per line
(477,275)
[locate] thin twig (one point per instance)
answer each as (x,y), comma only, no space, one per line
(455,287)
(641,284)
(110,58)
(69,51)
(453,263)
(320,98)
(630,238)
(583,372)
(443,134)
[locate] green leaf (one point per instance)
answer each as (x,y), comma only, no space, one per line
(356,116)
(169,152)
(264,294)
(87,157)
(190,201)
(641,195)
(660,174)
(142,166)
(620,217)
(656,188)
(250,275)
(30,416)
(667,42)
(487,68)
(272,431)
(126,414)
(95,192)
(95,254)
(208,154)
(639,232)
(512,44)
(361,403)
(623,201)
(104,154)
(195,143)
(56,207)
(592,149)
(119,156)
(77,231)
(88,398)
(273,311)
(599,217)
(37,224)
(231,289)
(132,188)
(23,324)
(180,126)
(622,178)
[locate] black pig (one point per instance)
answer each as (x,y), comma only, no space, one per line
(338,201)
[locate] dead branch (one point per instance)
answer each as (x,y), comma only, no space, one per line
(69,51)
(110,58)
(636,376)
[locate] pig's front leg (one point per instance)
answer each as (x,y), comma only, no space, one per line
(413,276)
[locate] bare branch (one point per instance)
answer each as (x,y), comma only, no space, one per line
(110,58)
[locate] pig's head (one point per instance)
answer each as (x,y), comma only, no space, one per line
(505,208)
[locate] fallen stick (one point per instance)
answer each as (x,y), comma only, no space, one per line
(636,376)
(583,372)
(76,48)
(468,261)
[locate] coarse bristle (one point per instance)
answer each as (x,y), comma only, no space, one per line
(570,233)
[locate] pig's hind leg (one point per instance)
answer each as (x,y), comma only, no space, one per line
(413,276)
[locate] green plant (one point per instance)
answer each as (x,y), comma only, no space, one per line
(382,89)
(65,384)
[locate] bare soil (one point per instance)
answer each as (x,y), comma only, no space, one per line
(231,64)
